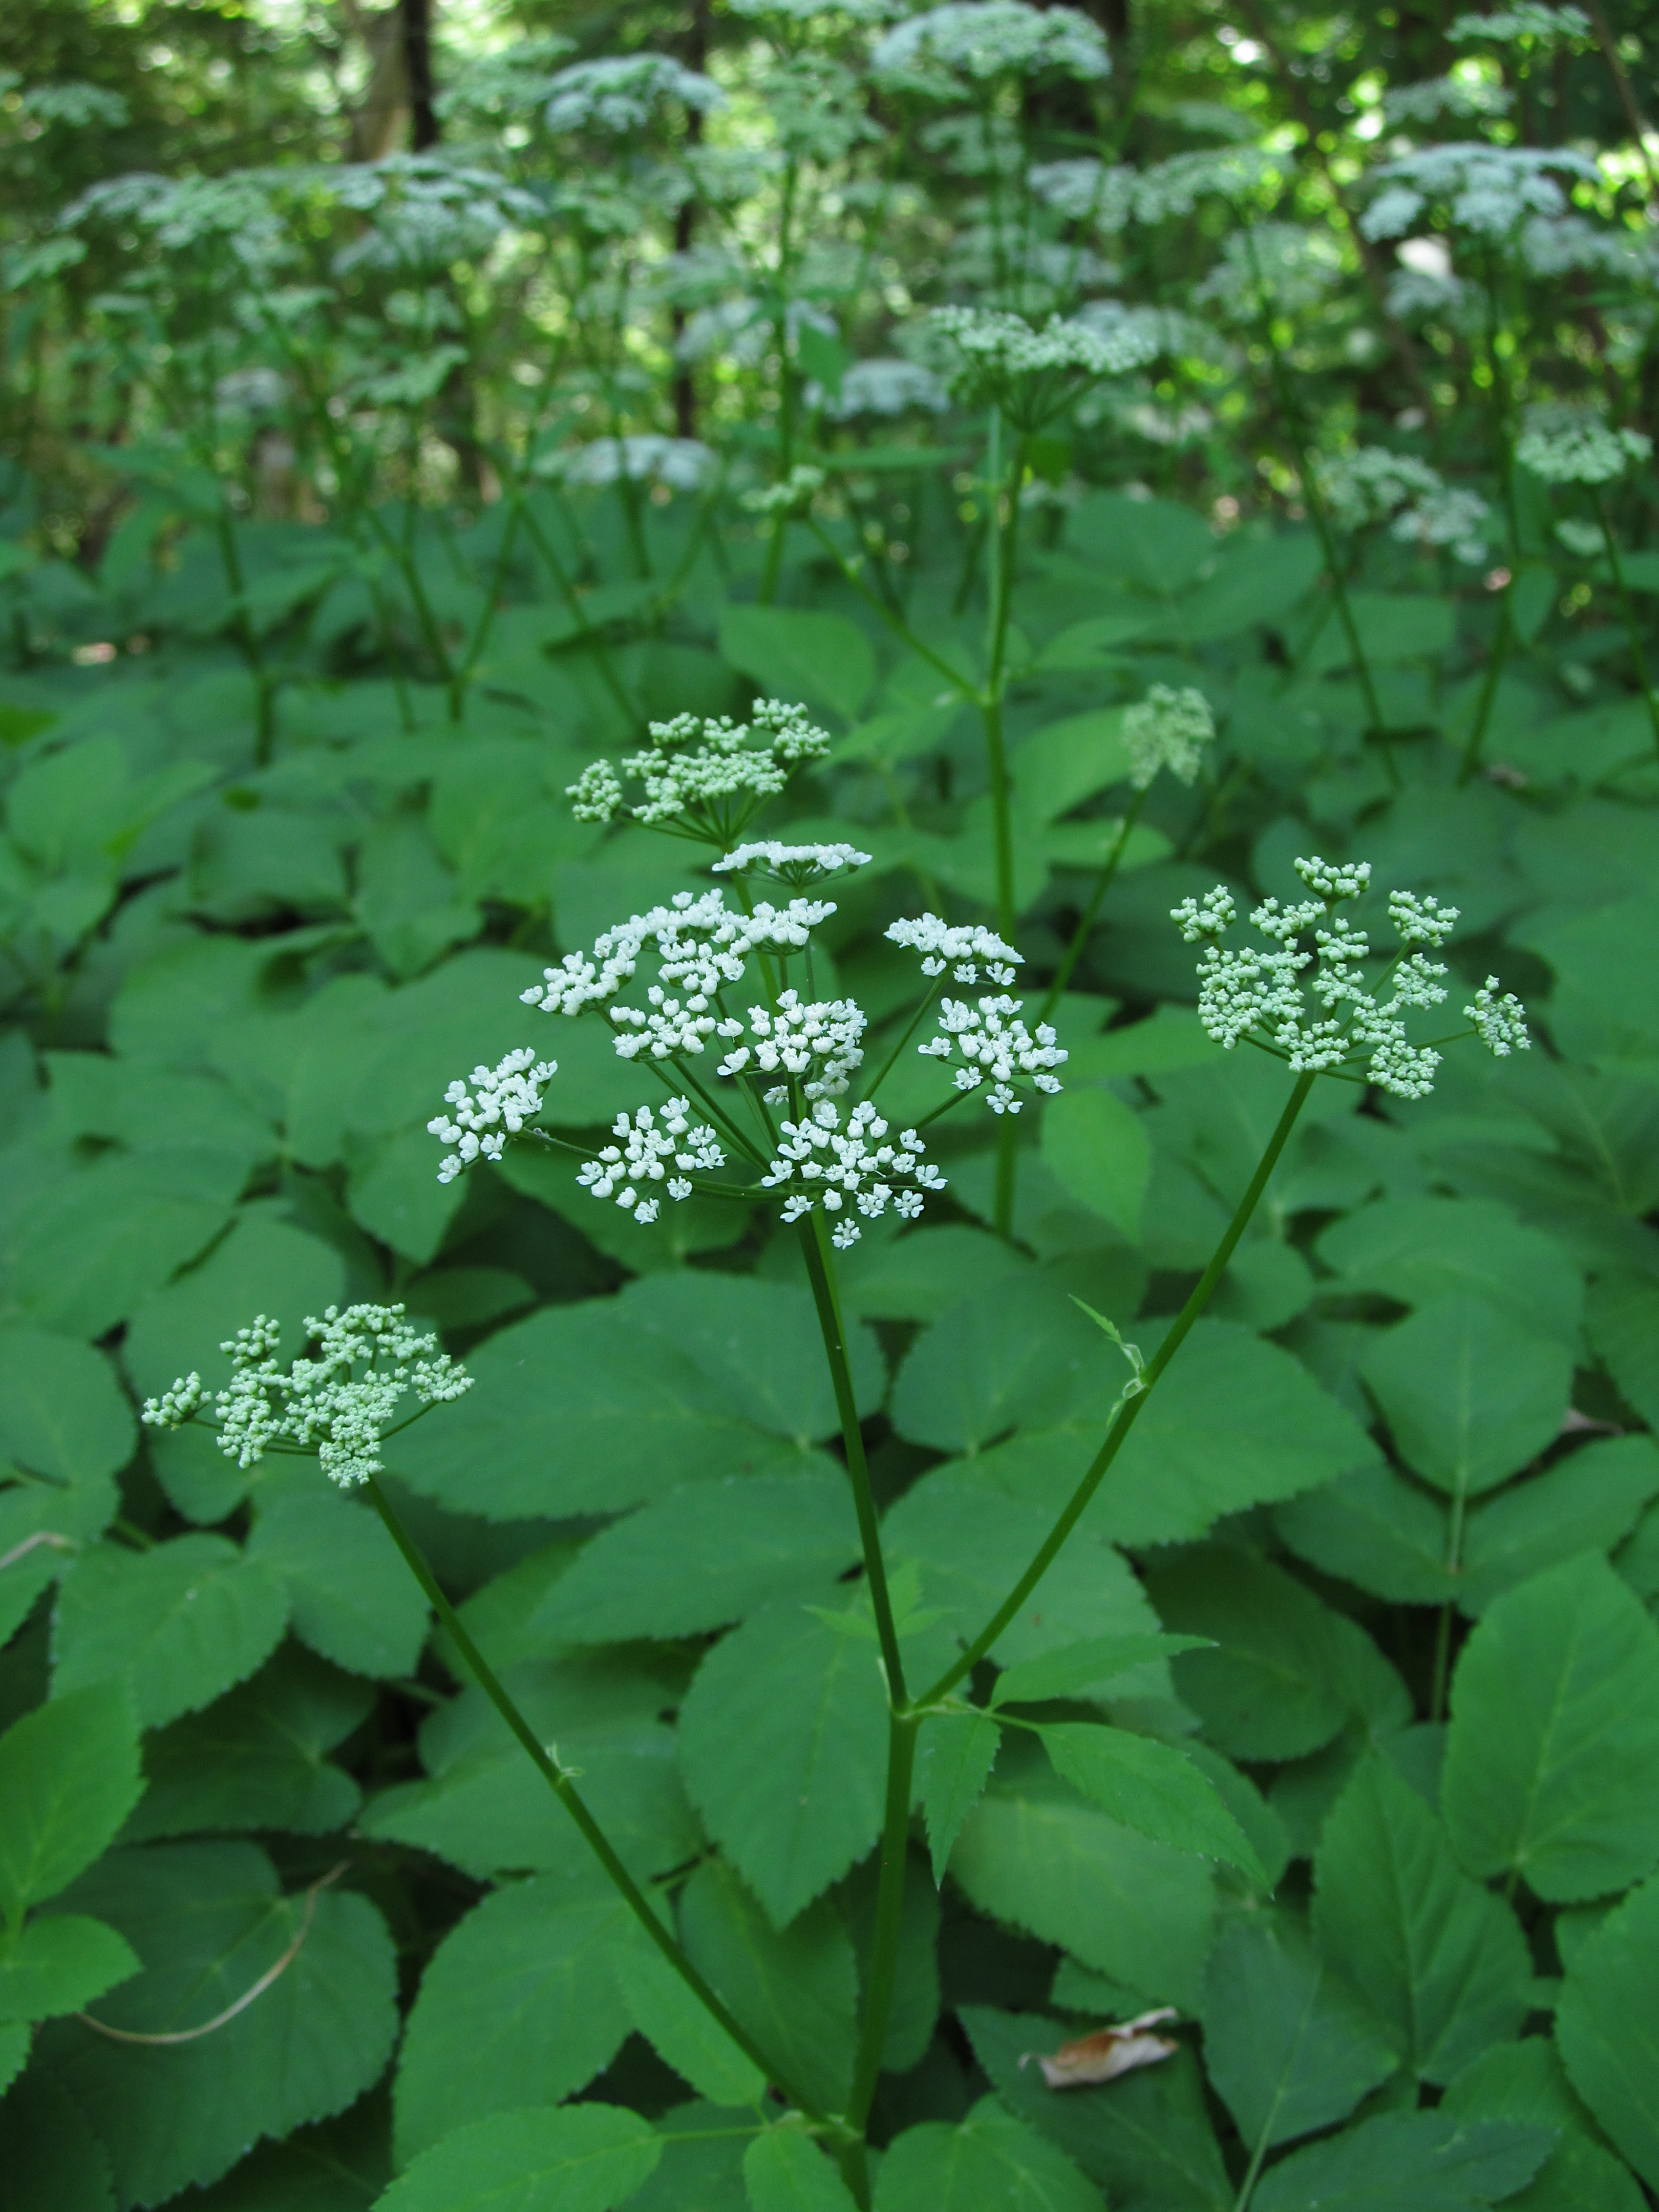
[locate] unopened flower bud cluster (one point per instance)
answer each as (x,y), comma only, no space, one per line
(338,1398)
(1168,729)
(704,775)
(1254,992)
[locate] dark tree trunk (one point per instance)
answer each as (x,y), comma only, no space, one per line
(417,16)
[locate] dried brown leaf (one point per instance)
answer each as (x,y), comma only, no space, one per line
(1106,2053)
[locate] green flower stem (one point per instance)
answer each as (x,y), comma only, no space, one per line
(590,637)
(246,643)
(1634,635)
(566,1791)
(1073,951)
(901,629)
(1496,660)
(1005,492)
(882,1976)
(821,1272)
(1129,1406)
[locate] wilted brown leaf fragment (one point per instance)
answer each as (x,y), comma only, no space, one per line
(1107,2053)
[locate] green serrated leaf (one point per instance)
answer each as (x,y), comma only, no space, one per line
(955,1754)
(1077,1668)
(350,1596)
(60,1963)
(795,1991)
(784,2171)
(1552,1758)
(1440,1961)
(68,1777)
(62,1414)
(684,2032)
(783,1744)
(47,2154)
(1469,1396)
(586,2158)
(517,2006)
(178,1624)
(1606,2025)
(1272,1686)
(1151,1787)
(1525,2081)
(1419,2158)
(208,1919)
(1098,1150)
(992,2158)
(1287,2046)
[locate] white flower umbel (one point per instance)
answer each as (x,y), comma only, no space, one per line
(1573,445)
(502,1099)
(1031,374)
(1281,266)
(339,1398)
(1083,190)
(1458,95)
(699,944)
(650,1144)
(994,1046)
(705,776)
(681,464)
(886,387)
(1168,728)
(822,1041)
(1488,189)
(964,948)
(950,50)
(1499,1019)
(793,496)
(1259,993)
(1507,26)
(823,1164)
(795,864)
(1174,188)
(1369,483)
(1449,516)
(624,93)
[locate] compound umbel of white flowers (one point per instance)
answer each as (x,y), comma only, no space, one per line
(1256,994)
(705,776)
(339,1399)
(723,995)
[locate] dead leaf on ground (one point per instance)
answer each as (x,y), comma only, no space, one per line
(1105,2054)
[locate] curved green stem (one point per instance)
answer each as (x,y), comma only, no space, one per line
(1129,1408)
(558,1780)
(820,1270)
(1496,660)
(901,1731)
(1108,868)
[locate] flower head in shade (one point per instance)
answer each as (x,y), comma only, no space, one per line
(796,865)
(1354,1026)
(1488,189)
(1169,729)
(947,52)
(1530,19)
(1573,445)
(338,1399)
(624,93)
(704,776)
(1030,374)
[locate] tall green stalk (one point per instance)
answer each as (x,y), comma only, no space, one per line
(1631,628)
(559,1780)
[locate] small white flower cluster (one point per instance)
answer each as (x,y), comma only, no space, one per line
(791,863)
(837,1164)
(795,1038)
(1571,445)
(1450,516)
(1556,244)
(1255,993)
(682,464)
(705,776)
(624,92)
(792,496)
(1083,190)
(1175,188)
(962,948)
(1500,1022)
(1488,189)
(1369,483)
(649,1143)
(508,1096)
(340,1397)
(880,386)
(1281,266)
(700,944)
(993,1043)
(1029,374)
(1445,96)
(1168,728)
(1529,19)
(967,43)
